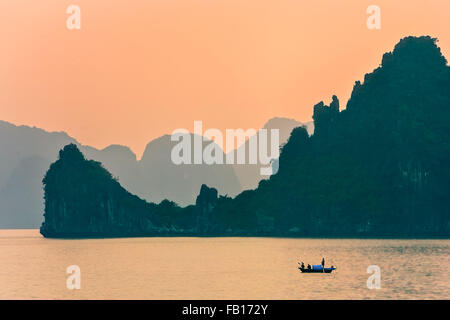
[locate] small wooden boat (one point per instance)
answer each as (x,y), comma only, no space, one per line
(317,269)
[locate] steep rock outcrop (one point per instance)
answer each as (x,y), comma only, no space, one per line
(205,203)
(83,199)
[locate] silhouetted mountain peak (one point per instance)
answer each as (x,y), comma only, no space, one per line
(411,58)
(415,66)
(277,122)
(416,53)
(157,147)
(5,125)
(119,151)
(71,153)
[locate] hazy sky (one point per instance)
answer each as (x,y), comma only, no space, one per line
(138,69)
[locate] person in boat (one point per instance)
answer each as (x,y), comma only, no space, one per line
(323,262)
(302,266)
(309,266)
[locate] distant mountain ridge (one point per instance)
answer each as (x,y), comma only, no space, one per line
(26,153)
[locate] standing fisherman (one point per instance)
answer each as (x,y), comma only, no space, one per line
(323,262)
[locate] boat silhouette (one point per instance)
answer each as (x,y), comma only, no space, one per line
(316,269)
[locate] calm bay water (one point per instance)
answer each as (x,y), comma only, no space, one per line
(32,267)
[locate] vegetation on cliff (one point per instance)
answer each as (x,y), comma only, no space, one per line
(83,199)
(381,167)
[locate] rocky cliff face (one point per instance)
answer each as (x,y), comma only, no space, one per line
(82,199)
(379,168)
(205,204)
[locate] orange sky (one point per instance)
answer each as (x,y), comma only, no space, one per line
(139,69)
